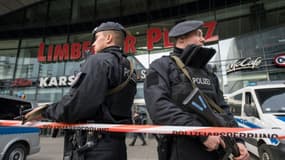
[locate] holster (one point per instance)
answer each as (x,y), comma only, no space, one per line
(76,143)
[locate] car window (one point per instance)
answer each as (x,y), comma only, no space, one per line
(235,103)
(271,99)
(10,108)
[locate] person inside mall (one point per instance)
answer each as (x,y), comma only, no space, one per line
(103,92)
(167,86)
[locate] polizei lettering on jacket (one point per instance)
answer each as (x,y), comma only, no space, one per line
(201,81)
(61,81)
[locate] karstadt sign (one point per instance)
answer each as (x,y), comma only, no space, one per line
(66,81)
(61,81)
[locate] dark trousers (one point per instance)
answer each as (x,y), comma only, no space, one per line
(183,147)
(136,135)
(108,148)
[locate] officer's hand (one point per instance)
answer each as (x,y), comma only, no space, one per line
(213,142)
(35,114)
(244,155)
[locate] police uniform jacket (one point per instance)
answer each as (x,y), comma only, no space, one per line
(166,87)
(88,99)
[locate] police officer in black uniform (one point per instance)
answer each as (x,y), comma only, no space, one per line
(166,87)
(92,97)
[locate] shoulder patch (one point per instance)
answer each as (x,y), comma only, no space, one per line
(152,79)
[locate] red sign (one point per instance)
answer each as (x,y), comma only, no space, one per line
(154,35)
(20,82)
(279,60)
(62,52)
(67,52)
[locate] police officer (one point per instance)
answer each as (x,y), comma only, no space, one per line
(166,86)
(93,97)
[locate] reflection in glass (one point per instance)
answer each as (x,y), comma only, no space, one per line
(51,69)
(7,63)
(31,42)
(139,32)
(72,68)
(140,93)
(28,65)
(9,44)
(47,95)
(272,100)
(80,37)
(56,39)
(29,92)
(235,104)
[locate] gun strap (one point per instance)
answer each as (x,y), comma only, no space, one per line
(124,84)
(182,66)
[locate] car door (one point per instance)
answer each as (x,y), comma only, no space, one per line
(250,111)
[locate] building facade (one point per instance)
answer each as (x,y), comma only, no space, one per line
(43,45)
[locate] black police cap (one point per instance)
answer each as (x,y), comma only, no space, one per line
(184,27)
(106,26)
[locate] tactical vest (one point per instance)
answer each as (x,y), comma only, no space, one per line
(181,86)
(119,103)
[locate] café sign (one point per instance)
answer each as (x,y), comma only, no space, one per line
(244,64)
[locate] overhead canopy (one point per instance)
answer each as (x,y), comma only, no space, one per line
(7,6)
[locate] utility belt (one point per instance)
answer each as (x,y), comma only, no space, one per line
(102,135)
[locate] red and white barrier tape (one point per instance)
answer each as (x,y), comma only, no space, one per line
(155,129)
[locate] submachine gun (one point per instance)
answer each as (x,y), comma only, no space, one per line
(195,102)
(206,108)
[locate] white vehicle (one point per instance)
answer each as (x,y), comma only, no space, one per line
(16,142)
(261,106)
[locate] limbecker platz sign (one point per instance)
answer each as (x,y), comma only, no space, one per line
(74,51)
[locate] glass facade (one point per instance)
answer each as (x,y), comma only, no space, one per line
(39,44)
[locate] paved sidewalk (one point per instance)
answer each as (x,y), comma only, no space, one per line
(52,149)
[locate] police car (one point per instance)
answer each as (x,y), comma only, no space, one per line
(261,106)
(16,142)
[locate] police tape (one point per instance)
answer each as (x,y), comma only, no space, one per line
(155,129)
